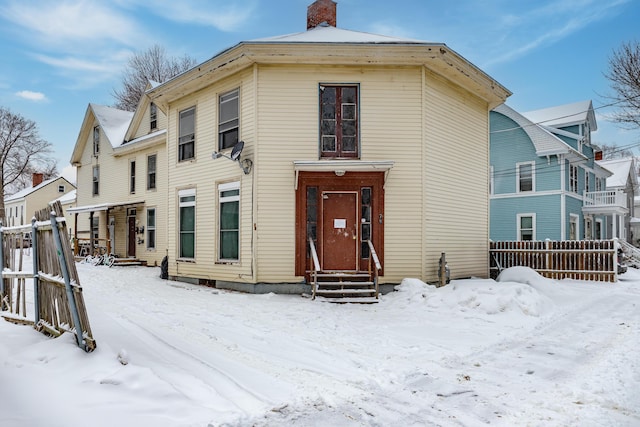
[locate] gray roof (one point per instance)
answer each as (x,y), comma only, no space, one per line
(565,115)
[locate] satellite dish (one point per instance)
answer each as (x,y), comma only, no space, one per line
(237,150)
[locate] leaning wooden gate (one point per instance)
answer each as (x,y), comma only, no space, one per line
(58,303)
(558,259)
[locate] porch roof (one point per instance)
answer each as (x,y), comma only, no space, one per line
(339,167)
(103,206)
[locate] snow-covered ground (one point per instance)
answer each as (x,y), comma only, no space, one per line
(522,351)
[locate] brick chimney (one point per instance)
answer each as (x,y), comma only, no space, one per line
(321,11)
(37,179)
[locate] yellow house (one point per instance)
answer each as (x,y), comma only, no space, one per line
(335,136)
(121,173)
(21,206)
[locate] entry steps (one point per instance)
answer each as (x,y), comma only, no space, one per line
(345,287)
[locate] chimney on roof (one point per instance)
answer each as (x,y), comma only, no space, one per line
(321,11)
(36,179)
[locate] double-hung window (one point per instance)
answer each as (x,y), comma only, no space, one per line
(187,218)
(96,140)
(228,119)
(132,177)
(339,121)
(151,228)
(229,198)
(187,134)
(96,180)
(526,226)
(151,171)
(573,178)
(153,117)
(525,176)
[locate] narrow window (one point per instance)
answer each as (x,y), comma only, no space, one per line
(526,226)
(187,223)
(228,119)
(151,228)
(96,180)
(187,135)
(60,188)
(151,171)
(365,221)
(229,197)
(153,117)
(96,140)
(339,121)
(132,177)
(574,231)
(312,215)
(573,178)
(525,176)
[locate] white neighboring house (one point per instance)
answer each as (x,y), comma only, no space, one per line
(623,184)
(21,206)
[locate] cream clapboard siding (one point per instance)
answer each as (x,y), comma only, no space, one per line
(20,211)
(204,174)
(390,108)
(456,180)
(145,123)
(115,188)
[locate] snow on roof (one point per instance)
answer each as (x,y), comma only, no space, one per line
(564,115)
(329,34)
(544,141)
(620,168)
(68,197)
(114,122)
(26,191)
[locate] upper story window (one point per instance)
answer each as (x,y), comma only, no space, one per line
(573,178)
(60,188)
(132,176)
(153,117)
(151,171)
(525,176)
(96,180)
(96,140)
(339,121)
(187,134)
(587,181)
(228,119)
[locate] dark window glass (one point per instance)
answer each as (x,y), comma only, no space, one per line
(339,121)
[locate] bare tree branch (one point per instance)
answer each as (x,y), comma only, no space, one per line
(624,75)
(22,152)
(150,65)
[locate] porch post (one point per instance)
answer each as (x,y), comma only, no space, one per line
(76,246)
(108,233)
(614,224)
(92,242)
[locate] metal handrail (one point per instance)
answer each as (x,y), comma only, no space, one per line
(315,267)
(373,259)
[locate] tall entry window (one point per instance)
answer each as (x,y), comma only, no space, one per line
(339,121)
(187,223)
(229,195)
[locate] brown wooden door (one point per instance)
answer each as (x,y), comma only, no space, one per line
(339,245)
(131,246)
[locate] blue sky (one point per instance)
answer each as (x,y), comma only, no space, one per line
(58,56)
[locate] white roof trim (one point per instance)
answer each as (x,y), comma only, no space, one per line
(102,206)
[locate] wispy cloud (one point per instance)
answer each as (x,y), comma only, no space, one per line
(74,25)
(32,96)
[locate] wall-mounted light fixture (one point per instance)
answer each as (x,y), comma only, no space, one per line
(236,151)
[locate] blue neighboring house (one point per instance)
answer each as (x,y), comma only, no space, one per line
(545,180)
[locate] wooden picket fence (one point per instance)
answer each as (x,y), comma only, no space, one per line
(575,259)
(57,300)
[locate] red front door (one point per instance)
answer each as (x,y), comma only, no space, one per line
(339,230)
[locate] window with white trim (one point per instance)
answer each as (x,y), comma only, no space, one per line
(526,226)
(60,188)
(228,119)
(151,171)
(151,228)
(574,230)
(153,116)
(525,176)
(96,180)
(573,178)
(187,134)
(96,140)
(229,212)
(132,177)
(187,226)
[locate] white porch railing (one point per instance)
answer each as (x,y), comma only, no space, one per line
(605,198)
